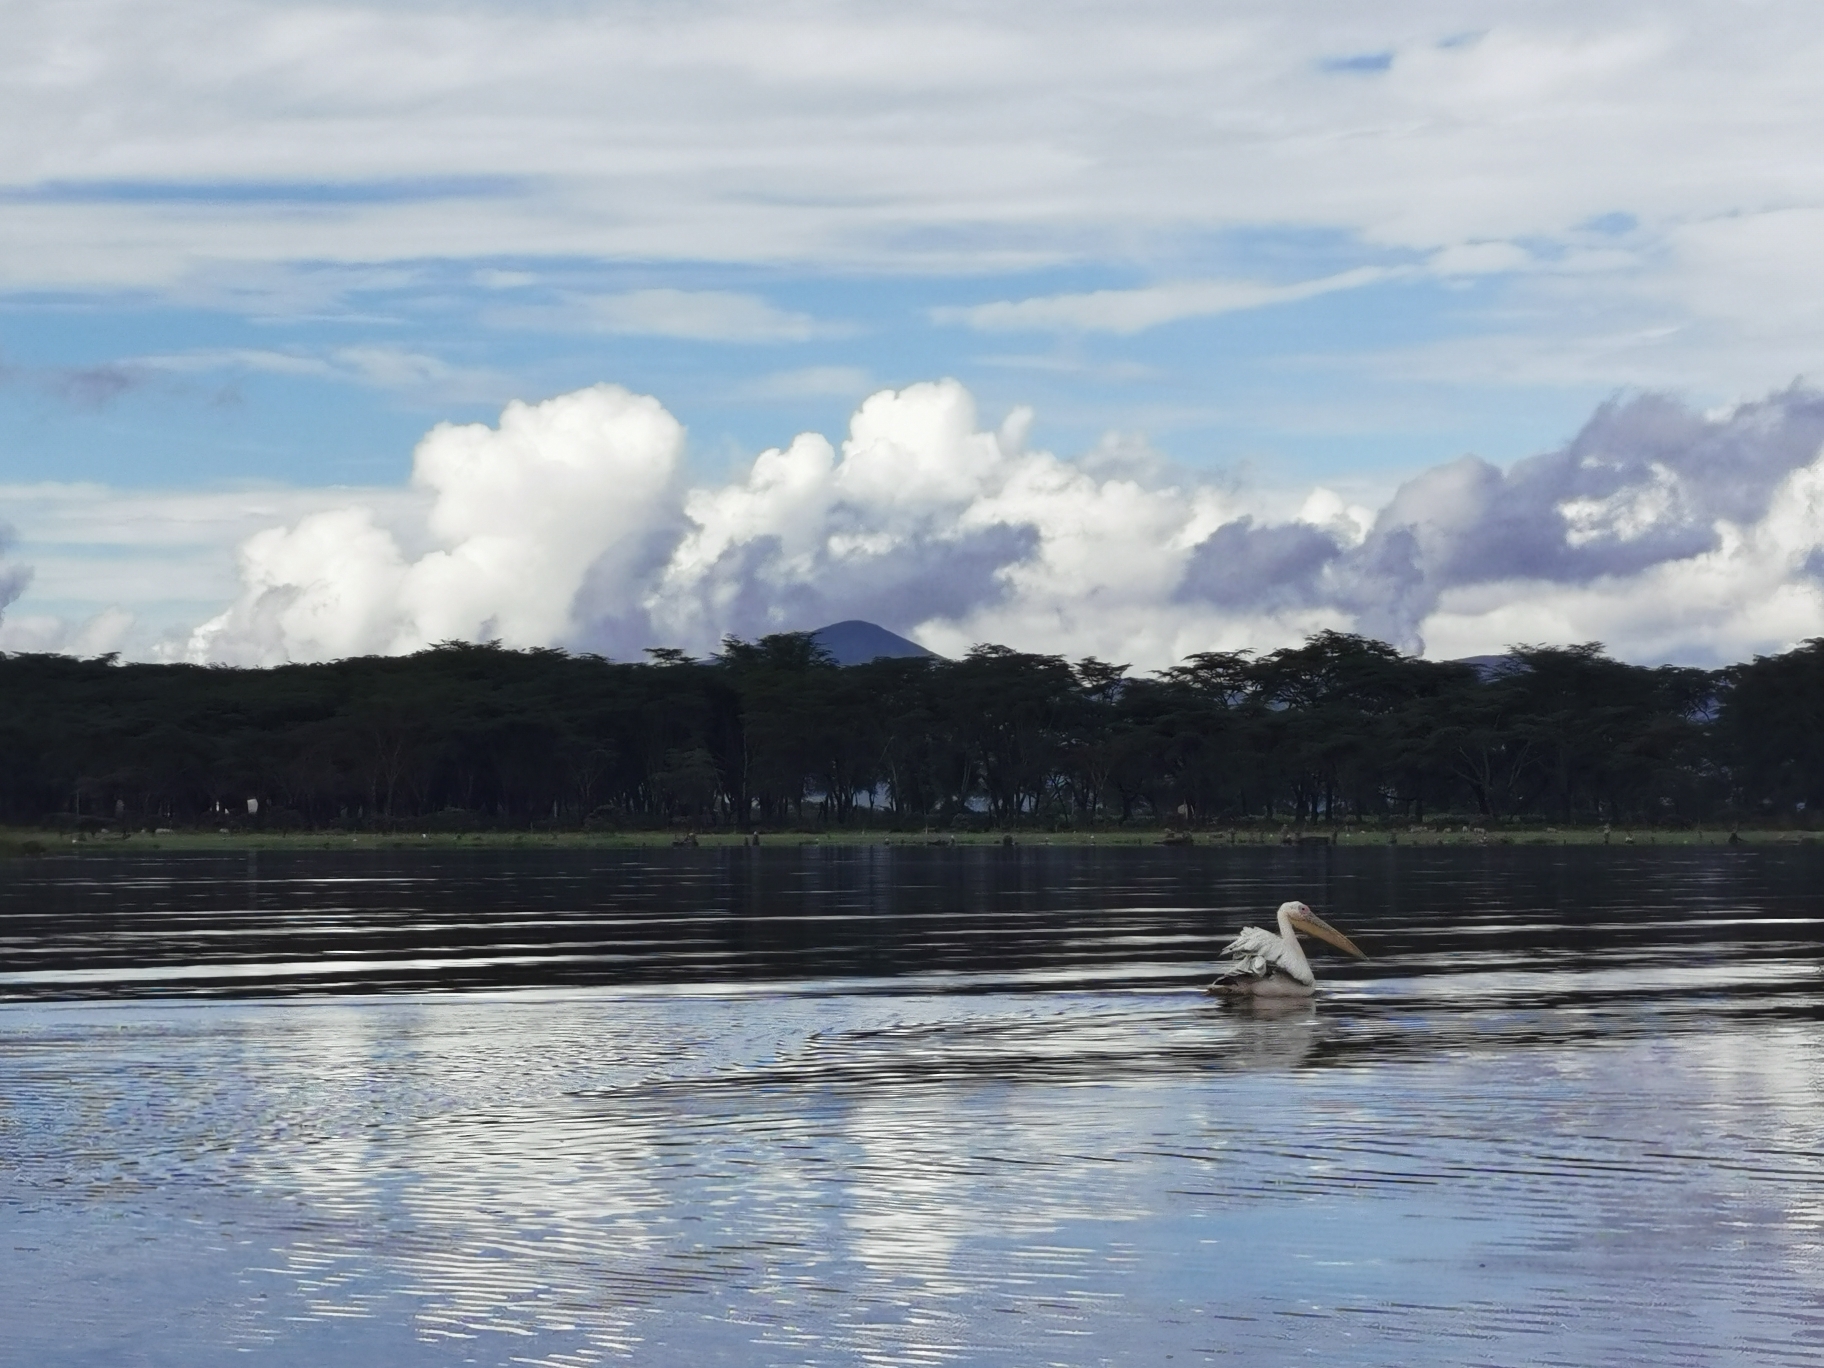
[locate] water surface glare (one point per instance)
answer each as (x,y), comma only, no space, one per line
(910,1106)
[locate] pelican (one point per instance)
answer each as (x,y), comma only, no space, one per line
(1262,964)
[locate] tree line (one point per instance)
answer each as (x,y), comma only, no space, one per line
(773,733)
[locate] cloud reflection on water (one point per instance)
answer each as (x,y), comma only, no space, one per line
(1613,1159)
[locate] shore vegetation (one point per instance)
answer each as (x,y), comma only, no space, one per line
(1342,738)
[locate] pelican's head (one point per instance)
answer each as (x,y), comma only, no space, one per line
(1301,918)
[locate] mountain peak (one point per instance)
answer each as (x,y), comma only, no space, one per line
(856,642)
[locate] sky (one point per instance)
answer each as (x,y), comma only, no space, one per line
(1129,330)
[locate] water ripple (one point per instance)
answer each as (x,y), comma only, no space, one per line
(931,1111)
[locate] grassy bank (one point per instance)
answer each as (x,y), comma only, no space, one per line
(32,843)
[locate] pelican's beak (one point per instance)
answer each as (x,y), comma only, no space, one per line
(1309,922)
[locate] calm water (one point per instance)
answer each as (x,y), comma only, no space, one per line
(910,1106)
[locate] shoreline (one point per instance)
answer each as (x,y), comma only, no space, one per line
(42,842)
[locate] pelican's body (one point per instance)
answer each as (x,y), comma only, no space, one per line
(1262,964)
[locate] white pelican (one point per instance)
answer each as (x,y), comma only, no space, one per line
(1262,964)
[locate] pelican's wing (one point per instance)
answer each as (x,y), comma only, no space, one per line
(1258,954)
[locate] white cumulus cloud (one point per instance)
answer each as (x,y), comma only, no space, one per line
(100,634)
(1664,532)
(519,515)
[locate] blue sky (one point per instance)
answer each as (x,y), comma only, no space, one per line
(142,391)
(1260,255)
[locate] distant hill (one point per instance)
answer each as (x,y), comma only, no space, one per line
(1486,666)
(856,642)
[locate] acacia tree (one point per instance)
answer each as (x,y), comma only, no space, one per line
(1340,725)
(1770,729)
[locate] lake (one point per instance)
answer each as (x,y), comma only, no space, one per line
(909,1105)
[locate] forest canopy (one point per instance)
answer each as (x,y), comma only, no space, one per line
(774,733)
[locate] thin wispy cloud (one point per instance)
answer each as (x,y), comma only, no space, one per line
(730,316)
(1127,312)
(217,193)
(92,387)
(375,366)
(671,136)
(841,382)
(700,315)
